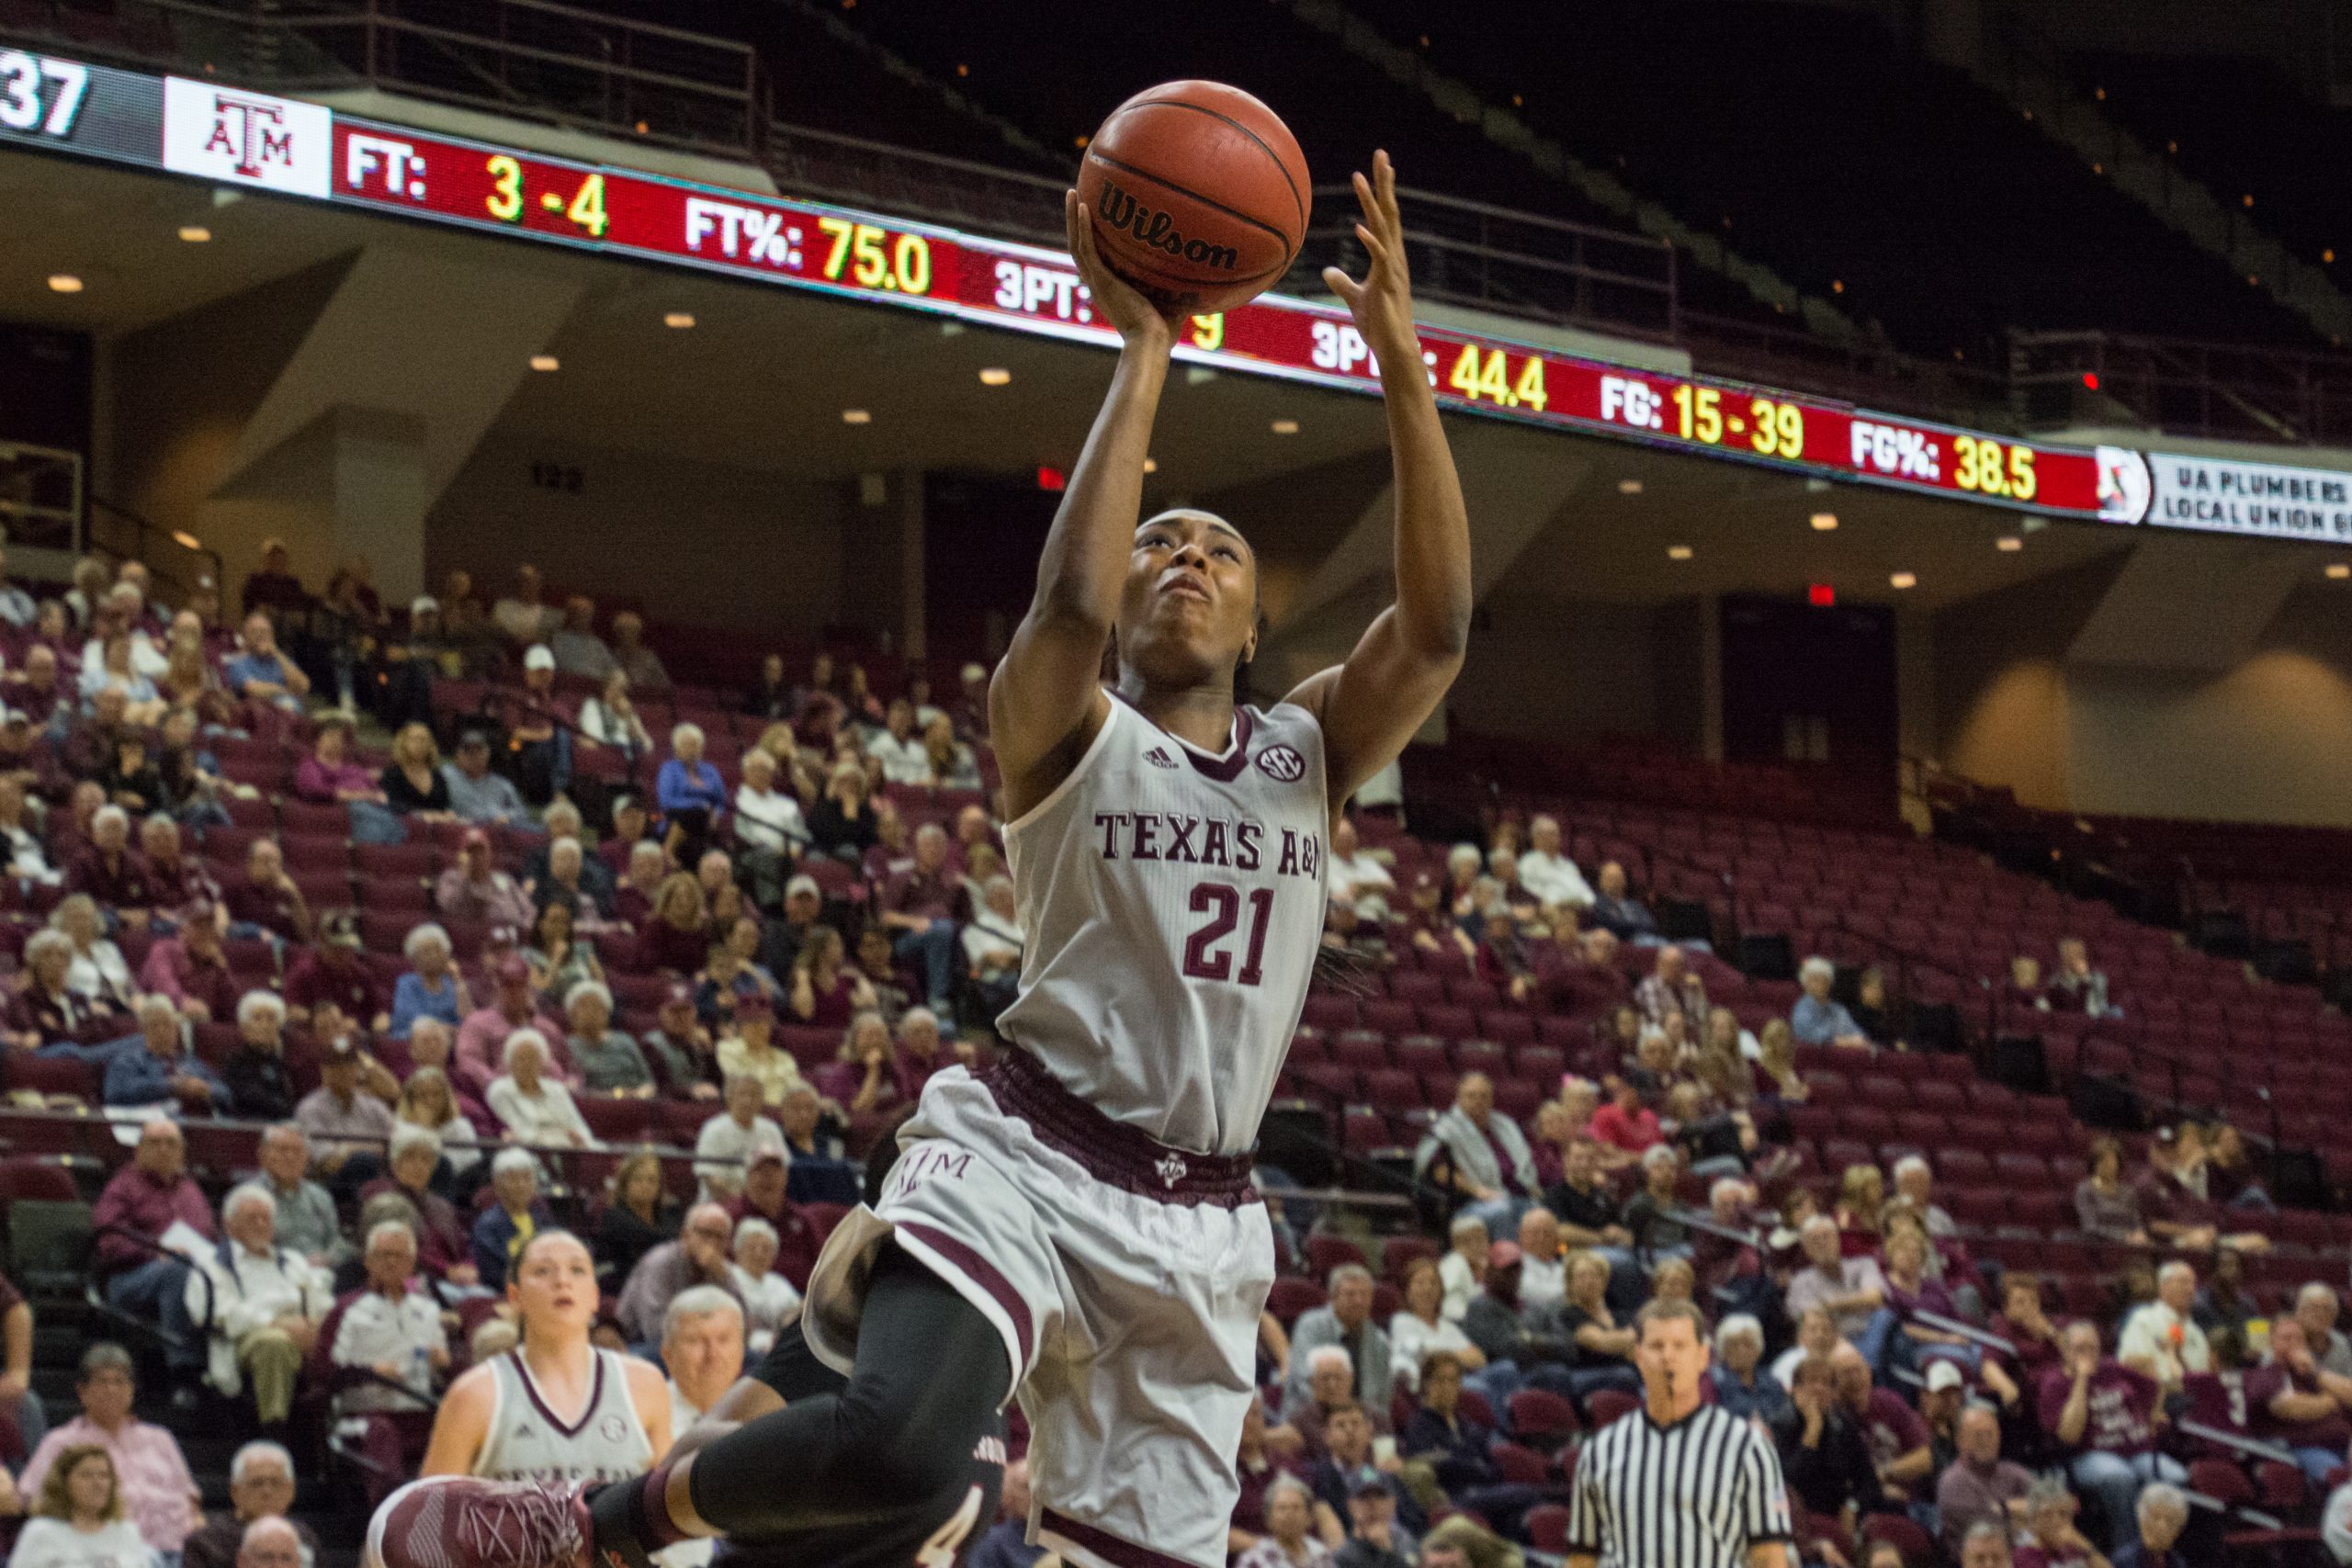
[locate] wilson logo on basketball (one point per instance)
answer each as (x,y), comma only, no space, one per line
(1282,764)
(1120,210)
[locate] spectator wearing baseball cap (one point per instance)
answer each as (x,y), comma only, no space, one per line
(750,1050)
(679,1048)
(338,1117)
(474,889)
(781,939)
(333,972)
(481,1039)
(538,730)
(477,794)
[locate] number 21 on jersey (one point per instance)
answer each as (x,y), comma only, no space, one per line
(1205,958)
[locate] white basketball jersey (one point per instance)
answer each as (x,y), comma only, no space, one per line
(1173,903)
(527,1442)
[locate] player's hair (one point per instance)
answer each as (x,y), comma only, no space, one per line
(1669,1312)
(552,1233)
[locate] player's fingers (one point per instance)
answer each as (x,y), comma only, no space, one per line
(1373,247)
(1341,284)
(1384,171)
(1364,197)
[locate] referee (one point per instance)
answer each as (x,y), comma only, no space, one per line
(1677,1483)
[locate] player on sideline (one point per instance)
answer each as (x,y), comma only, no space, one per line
(1078,1226)
(501,1420)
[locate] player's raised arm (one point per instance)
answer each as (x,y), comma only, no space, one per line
(1370,706)
(1045,700)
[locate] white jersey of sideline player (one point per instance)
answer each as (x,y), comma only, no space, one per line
(555,1408)
(1174,901)
(528,1441)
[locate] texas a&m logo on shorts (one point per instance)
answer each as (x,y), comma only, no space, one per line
(1282,764)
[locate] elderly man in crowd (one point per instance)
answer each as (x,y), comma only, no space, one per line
(610,1062)
(306,1222)
(262,673)
(163,1068)
(339,1118)
(646,672)
(155,1200)
(1328,1387)
(1851,1289)
(152,1476)
(192,970)
(1671,990)
(702,1346)
(477,794)
(2161,1339)
(1359,879)
(389,1348)
(255,1070)
(261,1486)
(698,1258)
(917,908)
(2315,1309)
(1980,1486)
(1487,1155)
(1617,911)
(2158,1517)
(2300,1404)
(271,1542)
(1816,1020)
(263,1301)
(264,901)
(1547,873)
(729,1141)
(1900,1445)
(474,889)
(1346,1322)
(577,648)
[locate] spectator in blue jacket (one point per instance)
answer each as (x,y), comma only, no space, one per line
(692,796)
(517,1216)
(1817,1019)
(158,1065)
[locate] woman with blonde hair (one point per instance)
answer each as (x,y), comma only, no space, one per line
(824,990)
(951,766)
(1861,1205)
(77,1517)
(98,970)
(1776,1064)
(676,938)
(413,781)
(428,1102)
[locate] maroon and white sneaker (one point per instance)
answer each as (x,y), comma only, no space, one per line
(461,1521)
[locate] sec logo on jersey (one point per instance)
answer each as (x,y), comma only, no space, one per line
(1282,764)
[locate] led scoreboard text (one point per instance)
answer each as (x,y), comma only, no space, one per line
(297,149)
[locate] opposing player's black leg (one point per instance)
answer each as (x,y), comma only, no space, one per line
(931,1374)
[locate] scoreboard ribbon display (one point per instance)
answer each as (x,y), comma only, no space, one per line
(291,148)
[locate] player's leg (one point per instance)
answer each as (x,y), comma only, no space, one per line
(930,1375)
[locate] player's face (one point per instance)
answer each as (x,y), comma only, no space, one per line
(555,1284)
(1190,610)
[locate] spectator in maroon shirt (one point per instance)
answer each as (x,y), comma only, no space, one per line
(481,1039)
(264,901)
(192,970)
(177,882)
(144,1201)
(328,773)
(824,990)
(763,1184)
(918,908)
(89,746)
(2103,1416)
(109,871)
(333,972)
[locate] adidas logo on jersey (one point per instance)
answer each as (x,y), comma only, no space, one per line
(1158,758)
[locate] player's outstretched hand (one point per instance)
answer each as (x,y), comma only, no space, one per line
(1382,302)
(1115,299)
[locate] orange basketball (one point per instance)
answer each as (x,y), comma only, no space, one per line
(1198,195)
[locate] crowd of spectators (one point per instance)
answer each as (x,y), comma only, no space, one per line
(757,942)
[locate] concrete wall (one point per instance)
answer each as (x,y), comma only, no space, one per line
(719,547)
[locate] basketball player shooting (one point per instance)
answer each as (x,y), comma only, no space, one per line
(1077,1226)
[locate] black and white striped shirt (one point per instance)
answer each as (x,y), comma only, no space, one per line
(1698,1494)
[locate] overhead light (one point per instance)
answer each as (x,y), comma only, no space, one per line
(857,416)
(1285,427)
(995,376)
(2339,570)
(187,540)
(1629,487)
(1904,580)
(1678,552)
(2008,544)
(1151,465)
(546,362)
(195,233)
(679,319)
(1825,521)
(65,282)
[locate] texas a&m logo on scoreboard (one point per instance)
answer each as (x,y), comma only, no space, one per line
(226,133)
